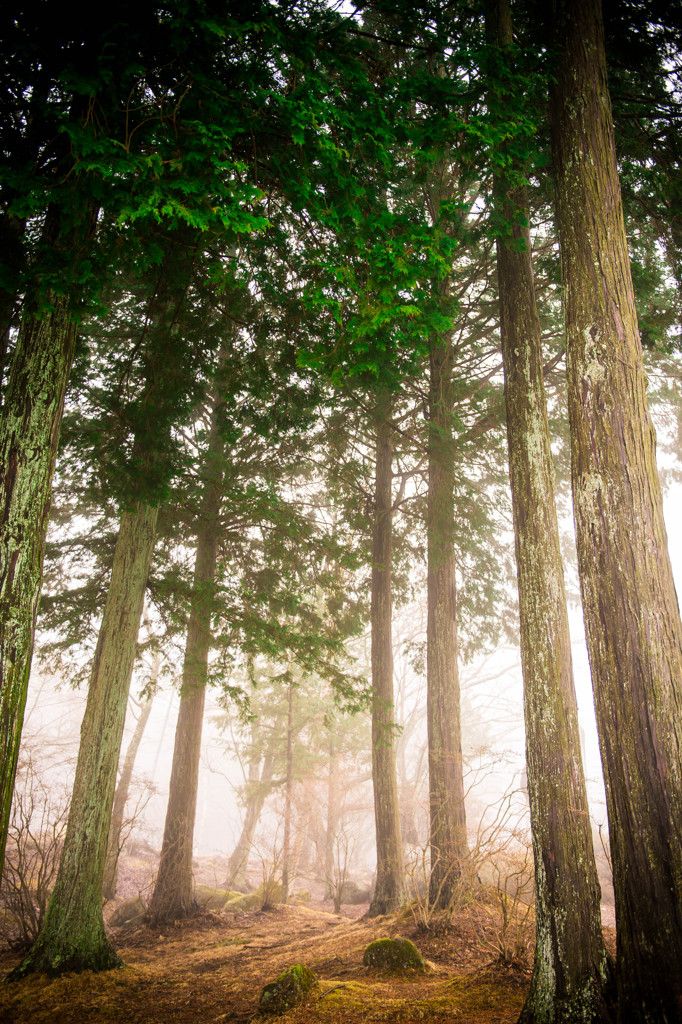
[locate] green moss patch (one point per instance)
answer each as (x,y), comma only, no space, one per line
(288,990)
(213,899)
(395,955)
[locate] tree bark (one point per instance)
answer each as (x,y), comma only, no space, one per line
(288,787)
(173,896)
(388,892)
(29,435)
(632,619)
(570,967)
(447,826)
(73,936)
(332,818)
(122,789)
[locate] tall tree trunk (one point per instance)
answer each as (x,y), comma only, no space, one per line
(257,789)
(288,786)
(332,819)
(570,968)
(632,619)
(447,822)
(73,936)
(389,887)
(29,435)
(122,789)
(173,897)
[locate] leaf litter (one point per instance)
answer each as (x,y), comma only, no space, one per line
(212,967)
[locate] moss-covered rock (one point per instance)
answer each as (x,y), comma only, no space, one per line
(239,904)
(129,912)
(263,896)
(288,990)
(213,899)
(397,955)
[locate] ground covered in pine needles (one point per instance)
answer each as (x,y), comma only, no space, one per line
(211,969)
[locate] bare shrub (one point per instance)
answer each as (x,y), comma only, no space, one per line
(427,909)
(337,877)
(499,864)
(270,889)
(132,825)
(510,934)
(34,844)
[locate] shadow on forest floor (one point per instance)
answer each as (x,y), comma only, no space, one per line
(211,969)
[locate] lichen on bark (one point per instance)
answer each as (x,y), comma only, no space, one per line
(29,433)
(570,966)
(73,936)
(632,618)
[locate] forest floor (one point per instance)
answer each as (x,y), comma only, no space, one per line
(212,968)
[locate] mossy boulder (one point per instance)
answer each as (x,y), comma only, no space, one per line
(288,990)
(261,897)
(397,955)
(213,899)
(129,912)
(248,901)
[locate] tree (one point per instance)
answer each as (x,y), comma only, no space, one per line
(172,897)
(288,791)
(632,618)
(570,968)
(73,936)
(447,827)
(69,156)
(389,888)
(44,54)
(29,434)
(116,839)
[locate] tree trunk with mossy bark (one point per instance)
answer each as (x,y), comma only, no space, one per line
(447,820)
(73,936)
(29,435)
(389,888)
(570,969)
(115,842)
(632,618)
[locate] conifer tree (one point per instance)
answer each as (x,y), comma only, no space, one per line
(389,887)
(73,936)
(632,618)
(172,897)
(570,969)
(71,164)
